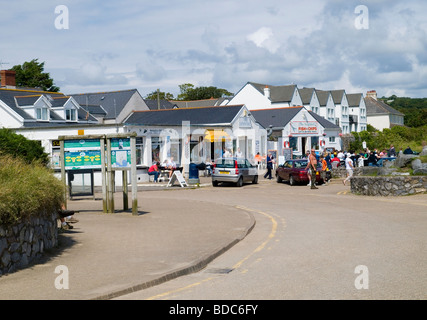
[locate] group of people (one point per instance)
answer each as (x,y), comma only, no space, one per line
(154,170)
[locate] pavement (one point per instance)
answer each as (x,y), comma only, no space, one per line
(107,255)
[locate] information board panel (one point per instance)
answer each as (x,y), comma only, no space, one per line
(82,154)
(120,153)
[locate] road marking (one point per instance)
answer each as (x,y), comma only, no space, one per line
(262,246)
(161,295)
(237,265)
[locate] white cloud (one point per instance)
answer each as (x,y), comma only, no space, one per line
(264,38)
(225,43)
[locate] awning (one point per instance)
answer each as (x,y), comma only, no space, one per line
(216,135)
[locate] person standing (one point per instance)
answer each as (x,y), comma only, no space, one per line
(269,167)
(312,165)
(349,167)
(392,151)
(239,153)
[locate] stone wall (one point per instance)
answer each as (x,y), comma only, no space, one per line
(388,185)
(25,242)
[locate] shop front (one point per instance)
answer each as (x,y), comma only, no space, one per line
(195,135)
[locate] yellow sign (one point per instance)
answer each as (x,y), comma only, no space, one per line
(81,132)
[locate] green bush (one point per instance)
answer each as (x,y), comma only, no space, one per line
(19,146)
(27,190)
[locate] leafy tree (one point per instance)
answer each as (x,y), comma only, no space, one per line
(414,109)
(17,145)
(162,96)
(189,92)
(30,74)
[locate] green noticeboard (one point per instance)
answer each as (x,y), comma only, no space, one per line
(82,154)
(120,153)
(89,159)
(82,144)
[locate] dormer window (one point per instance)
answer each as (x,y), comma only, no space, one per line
(42,114)
(70,114)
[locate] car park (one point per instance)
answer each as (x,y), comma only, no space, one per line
(234,170)
(295,172)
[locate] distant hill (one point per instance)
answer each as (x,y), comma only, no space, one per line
(414,109)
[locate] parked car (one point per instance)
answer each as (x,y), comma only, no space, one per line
(235,170)
(295,172)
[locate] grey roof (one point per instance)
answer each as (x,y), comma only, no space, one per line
(113,102)
(277,93)
(354,99)
(376,107)
(280,117)
(15,98)
(337,95)
(8,97)
(323,97)
(306,94)
(197,103)
(174,117)
(154,105)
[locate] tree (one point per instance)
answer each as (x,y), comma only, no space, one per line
(30,74)
(189,92)
(162,96)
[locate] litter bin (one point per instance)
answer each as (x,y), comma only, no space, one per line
(193,174)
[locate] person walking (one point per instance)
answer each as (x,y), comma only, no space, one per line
(269,167)
(349,167)
(312,165)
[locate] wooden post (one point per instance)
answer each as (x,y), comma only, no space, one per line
(125,190)
(63,177)
(110,194)
(104,185)
(133,175)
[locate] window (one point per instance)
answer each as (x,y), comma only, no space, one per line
(139,145)
(293,143)
(315,142)
(70,115)
(155,148)
(42,114)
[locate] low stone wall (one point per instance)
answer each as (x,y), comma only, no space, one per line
(25,242)
(388,185)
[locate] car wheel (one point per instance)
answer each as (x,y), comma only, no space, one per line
(215,183)
(239,182)
(291,180)
(278,179)
(255,180)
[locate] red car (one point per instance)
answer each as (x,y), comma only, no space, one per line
(295,172)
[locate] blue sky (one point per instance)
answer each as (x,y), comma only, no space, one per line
(115,45)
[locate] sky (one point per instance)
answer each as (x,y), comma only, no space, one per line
(93,46)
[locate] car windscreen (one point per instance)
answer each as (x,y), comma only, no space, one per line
(224,163)
(300,164)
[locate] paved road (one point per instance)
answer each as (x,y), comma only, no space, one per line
(312,244)
(282,242)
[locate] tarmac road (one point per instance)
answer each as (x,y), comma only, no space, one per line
(264,241)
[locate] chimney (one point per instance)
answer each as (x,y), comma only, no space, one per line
(267,92)
(371,94)
(8,79)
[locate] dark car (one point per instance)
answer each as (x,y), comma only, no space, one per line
(295,172)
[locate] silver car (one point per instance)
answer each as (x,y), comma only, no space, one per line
(235,170)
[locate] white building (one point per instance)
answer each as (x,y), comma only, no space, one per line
(257,96)
(379,114)
(299,129)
